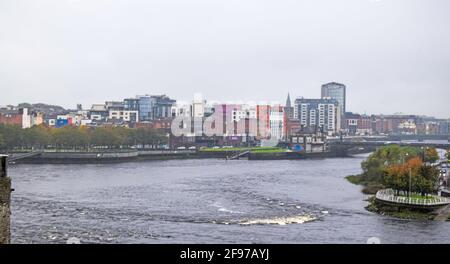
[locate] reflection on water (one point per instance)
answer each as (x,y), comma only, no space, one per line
(203,201)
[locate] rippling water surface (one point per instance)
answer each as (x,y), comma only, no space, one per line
(203,201)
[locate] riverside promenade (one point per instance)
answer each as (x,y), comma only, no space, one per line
(96,156)
(388,196)
(126,155)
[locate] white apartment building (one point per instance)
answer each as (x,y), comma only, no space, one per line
(320,113)
(125,115)
(276,119)
(181,109)
(243,112)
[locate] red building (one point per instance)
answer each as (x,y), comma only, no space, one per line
(10,118)
(395,124)
(18,117)
(292,127)
(156,124)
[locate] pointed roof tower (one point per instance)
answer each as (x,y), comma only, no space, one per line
(288,101)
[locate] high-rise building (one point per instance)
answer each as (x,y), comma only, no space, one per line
(161,106)
(114,105)
(131,104)
(98,112)
(145,107)
(153,107)
(198,106)
(444,127)
(276,123)
(335,91)
(323,114)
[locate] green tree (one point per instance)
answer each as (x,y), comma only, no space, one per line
(144,136)
(105,137)
(36,137)
(2,142)
(427,180)
(12,136)
(423,178)
(431,155)
(397,176)
(160,138)
(374,166)
(72,137)
(42,136)
(124,136)
(69,137)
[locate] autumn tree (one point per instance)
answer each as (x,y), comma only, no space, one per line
(374,166)
(422,178)
(397,176)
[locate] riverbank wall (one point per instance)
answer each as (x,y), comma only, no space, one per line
(67,157)
(79,157)
(5,201)
(296,155)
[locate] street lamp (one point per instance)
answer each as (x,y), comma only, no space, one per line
(410,172)
(403,157)
(423,153)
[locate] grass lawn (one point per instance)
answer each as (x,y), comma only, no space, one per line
(251,149)
(418,196)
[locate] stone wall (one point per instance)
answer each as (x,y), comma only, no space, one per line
(88,155)
(5,198)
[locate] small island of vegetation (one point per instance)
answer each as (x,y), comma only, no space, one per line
(406,172)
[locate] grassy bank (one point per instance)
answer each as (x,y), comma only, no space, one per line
(398,212)
(251,149)
(368,187)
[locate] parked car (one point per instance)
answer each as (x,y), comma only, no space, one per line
(192,148)
(181,148)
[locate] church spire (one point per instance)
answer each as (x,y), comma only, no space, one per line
(288,101)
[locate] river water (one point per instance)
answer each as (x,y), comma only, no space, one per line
(203,201)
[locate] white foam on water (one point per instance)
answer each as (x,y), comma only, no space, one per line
(221,208)
(298,219)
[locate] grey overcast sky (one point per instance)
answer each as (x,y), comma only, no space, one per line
(393,55)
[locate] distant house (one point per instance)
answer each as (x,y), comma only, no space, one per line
(19,117)
(308,140)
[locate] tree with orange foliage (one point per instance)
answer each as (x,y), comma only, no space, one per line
(423,178)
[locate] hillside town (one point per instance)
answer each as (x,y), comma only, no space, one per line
(327,115)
